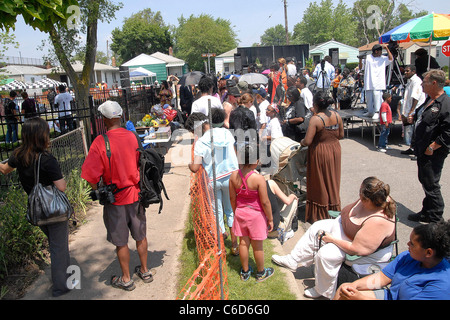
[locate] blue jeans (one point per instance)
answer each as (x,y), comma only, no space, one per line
(11,131)
(223,203)
(408,133)
(383,141)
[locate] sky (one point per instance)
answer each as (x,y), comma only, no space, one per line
(248,18)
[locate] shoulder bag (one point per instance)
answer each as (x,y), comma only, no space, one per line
(47,204)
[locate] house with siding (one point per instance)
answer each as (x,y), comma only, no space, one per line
(161,64)
(344,53)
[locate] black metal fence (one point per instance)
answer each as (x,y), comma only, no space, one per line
(70,148)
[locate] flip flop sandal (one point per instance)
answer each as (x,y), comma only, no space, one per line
(117,282)
(147,277)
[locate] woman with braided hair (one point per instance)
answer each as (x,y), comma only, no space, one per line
(365,227)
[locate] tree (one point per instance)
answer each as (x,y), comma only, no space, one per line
(56,17)
(375,17)
(323,22)
(143,32)
(275,36)
(404,14)
(203,34)
(6,39)
(42,15)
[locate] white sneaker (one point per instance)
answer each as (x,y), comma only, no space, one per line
(288,235)
(381,150)
(285,261)
(376,116)
(312,293)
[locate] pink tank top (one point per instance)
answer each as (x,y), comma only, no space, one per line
(246,198)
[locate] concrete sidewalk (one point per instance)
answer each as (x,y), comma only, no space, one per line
(96,257)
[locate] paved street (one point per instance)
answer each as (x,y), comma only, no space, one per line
(361,160)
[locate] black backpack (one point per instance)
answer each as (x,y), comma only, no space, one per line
(151,170)
(9,107)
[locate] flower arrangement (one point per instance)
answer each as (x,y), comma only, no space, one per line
(149,121)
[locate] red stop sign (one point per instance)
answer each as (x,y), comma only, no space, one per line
(446,48)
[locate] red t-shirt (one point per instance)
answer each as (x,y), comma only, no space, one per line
(124,164)
(385,108)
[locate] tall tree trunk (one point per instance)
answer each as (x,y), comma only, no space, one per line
(81,83)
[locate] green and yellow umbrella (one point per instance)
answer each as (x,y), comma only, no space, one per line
(432,27)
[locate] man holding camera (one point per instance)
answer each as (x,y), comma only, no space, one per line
(119,192)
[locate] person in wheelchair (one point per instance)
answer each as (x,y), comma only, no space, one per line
(365,228)
(420,273)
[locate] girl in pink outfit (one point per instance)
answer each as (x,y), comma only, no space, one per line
(252,214)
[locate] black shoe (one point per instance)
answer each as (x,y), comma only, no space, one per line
(409,151)
(414,158)
(418,217)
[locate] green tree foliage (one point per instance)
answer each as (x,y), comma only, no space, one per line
(143,32)
(42,15)
(275,36)
(323,22)
(6,40)
(203,34)
(56,18)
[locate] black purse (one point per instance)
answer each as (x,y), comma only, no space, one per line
(47,205)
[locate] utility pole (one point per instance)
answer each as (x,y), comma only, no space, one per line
(286,22)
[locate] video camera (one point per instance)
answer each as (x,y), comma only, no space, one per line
(393,48)
(104,194)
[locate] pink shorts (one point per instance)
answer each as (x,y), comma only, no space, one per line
(250,223)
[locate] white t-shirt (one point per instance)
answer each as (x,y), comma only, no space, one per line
(63,102)
(307,96)
(255,112)
(413,90)
(201,104)
(375,72)
(263,119)
(274,128)
(292,70)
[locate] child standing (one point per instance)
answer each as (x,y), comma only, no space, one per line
(385,121)
(272,132)
(252,213)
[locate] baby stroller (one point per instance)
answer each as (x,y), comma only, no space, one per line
(290,175)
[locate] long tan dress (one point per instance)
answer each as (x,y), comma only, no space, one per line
(323,174)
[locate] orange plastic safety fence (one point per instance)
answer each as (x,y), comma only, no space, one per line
(208,282)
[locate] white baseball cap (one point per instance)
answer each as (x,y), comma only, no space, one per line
(111,110)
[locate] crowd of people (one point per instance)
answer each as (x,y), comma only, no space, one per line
(13,111)
(244,120)
(364,228)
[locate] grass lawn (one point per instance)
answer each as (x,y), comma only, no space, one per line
(274,288)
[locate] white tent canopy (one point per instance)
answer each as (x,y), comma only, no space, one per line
(45,83)
(141,72)
(15,85)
